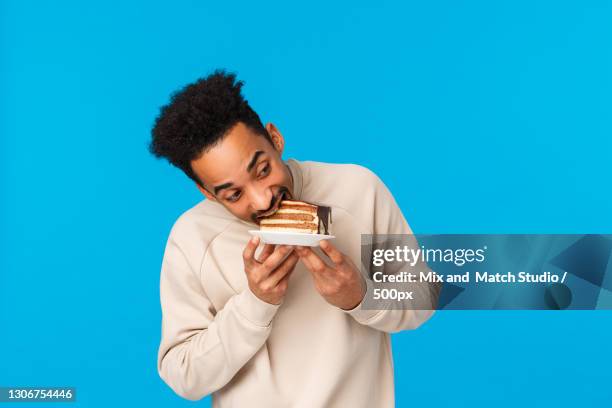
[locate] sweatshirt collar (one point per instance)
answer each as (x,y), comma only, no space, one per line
(296,175)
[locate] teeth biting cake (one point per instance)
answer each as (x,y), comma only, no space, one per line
(298,216)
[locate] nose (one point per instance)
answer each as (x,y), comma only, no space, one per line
(261,200)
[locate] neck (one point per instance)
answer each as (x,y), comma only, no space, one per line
(292,188)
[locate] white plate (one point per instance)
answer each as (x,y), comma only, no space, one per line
(290,238)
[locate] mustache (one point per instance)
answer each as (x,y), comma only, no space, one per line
(282,193)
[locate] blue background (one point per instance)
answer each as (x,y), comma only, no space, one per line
(480,117)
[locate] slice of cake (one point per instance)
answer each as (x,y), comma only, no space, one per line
(298,216)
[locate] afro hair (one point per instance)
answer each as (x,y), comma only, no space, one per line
(197,118)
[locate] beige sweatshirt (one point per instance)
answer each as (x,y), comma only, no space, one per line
(219,338)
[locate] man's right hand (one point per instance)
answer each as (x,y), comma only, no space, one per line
(268,276)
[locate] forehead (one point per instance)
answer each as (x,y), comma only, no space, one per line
(227,161)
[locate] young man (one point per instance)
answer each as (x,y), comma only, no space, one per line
(268,326)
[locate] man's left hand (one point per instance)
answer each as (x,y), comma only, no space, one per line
(341,285)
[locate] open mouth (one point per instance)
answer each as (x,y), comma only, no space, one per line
(274,208)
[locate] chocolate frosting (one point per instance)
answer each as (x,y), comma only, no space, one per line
(324,214)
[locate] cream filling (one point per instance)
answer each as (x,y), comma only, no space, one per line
(294,211)
(279,221)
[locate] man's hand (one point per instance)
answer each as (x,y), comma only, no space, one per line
(342,286)
(268,276)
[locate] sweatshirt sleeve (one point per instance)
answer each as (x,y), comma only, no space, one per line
(388,219)
(202,349)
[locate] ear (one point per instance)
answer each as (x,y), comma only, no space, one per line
(206,192)
(278,141)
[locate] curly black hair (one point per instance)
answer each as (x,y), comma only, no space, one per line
(198,116)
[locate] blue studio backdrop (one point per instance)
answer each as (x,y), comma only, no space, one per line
(480,116)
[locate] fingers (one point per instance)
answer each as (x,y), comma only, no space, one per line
(283,270)
(277,256)
(312,261)
(266,252)
(332,252)
(248,255)
(284,282)
(268,275)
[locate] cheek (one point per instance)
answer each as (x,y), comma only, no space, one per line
(240,210)
(241,207)
(278,175)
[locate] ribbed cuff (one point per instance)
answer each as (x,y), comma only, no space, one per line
(254,309)
(360,314)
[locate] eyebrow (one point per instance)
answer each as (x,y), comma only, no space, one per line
(249,168)
(254,160)
(222,186)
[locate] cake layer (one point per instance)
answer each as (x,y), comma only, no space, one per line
(290,217)
(301,204)
(303,228)
(298,216)
(292,206)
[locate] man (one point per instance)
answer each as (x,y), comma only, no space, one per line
(263,325)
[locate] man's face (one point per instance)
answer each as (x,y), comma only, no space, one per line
(245,173)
